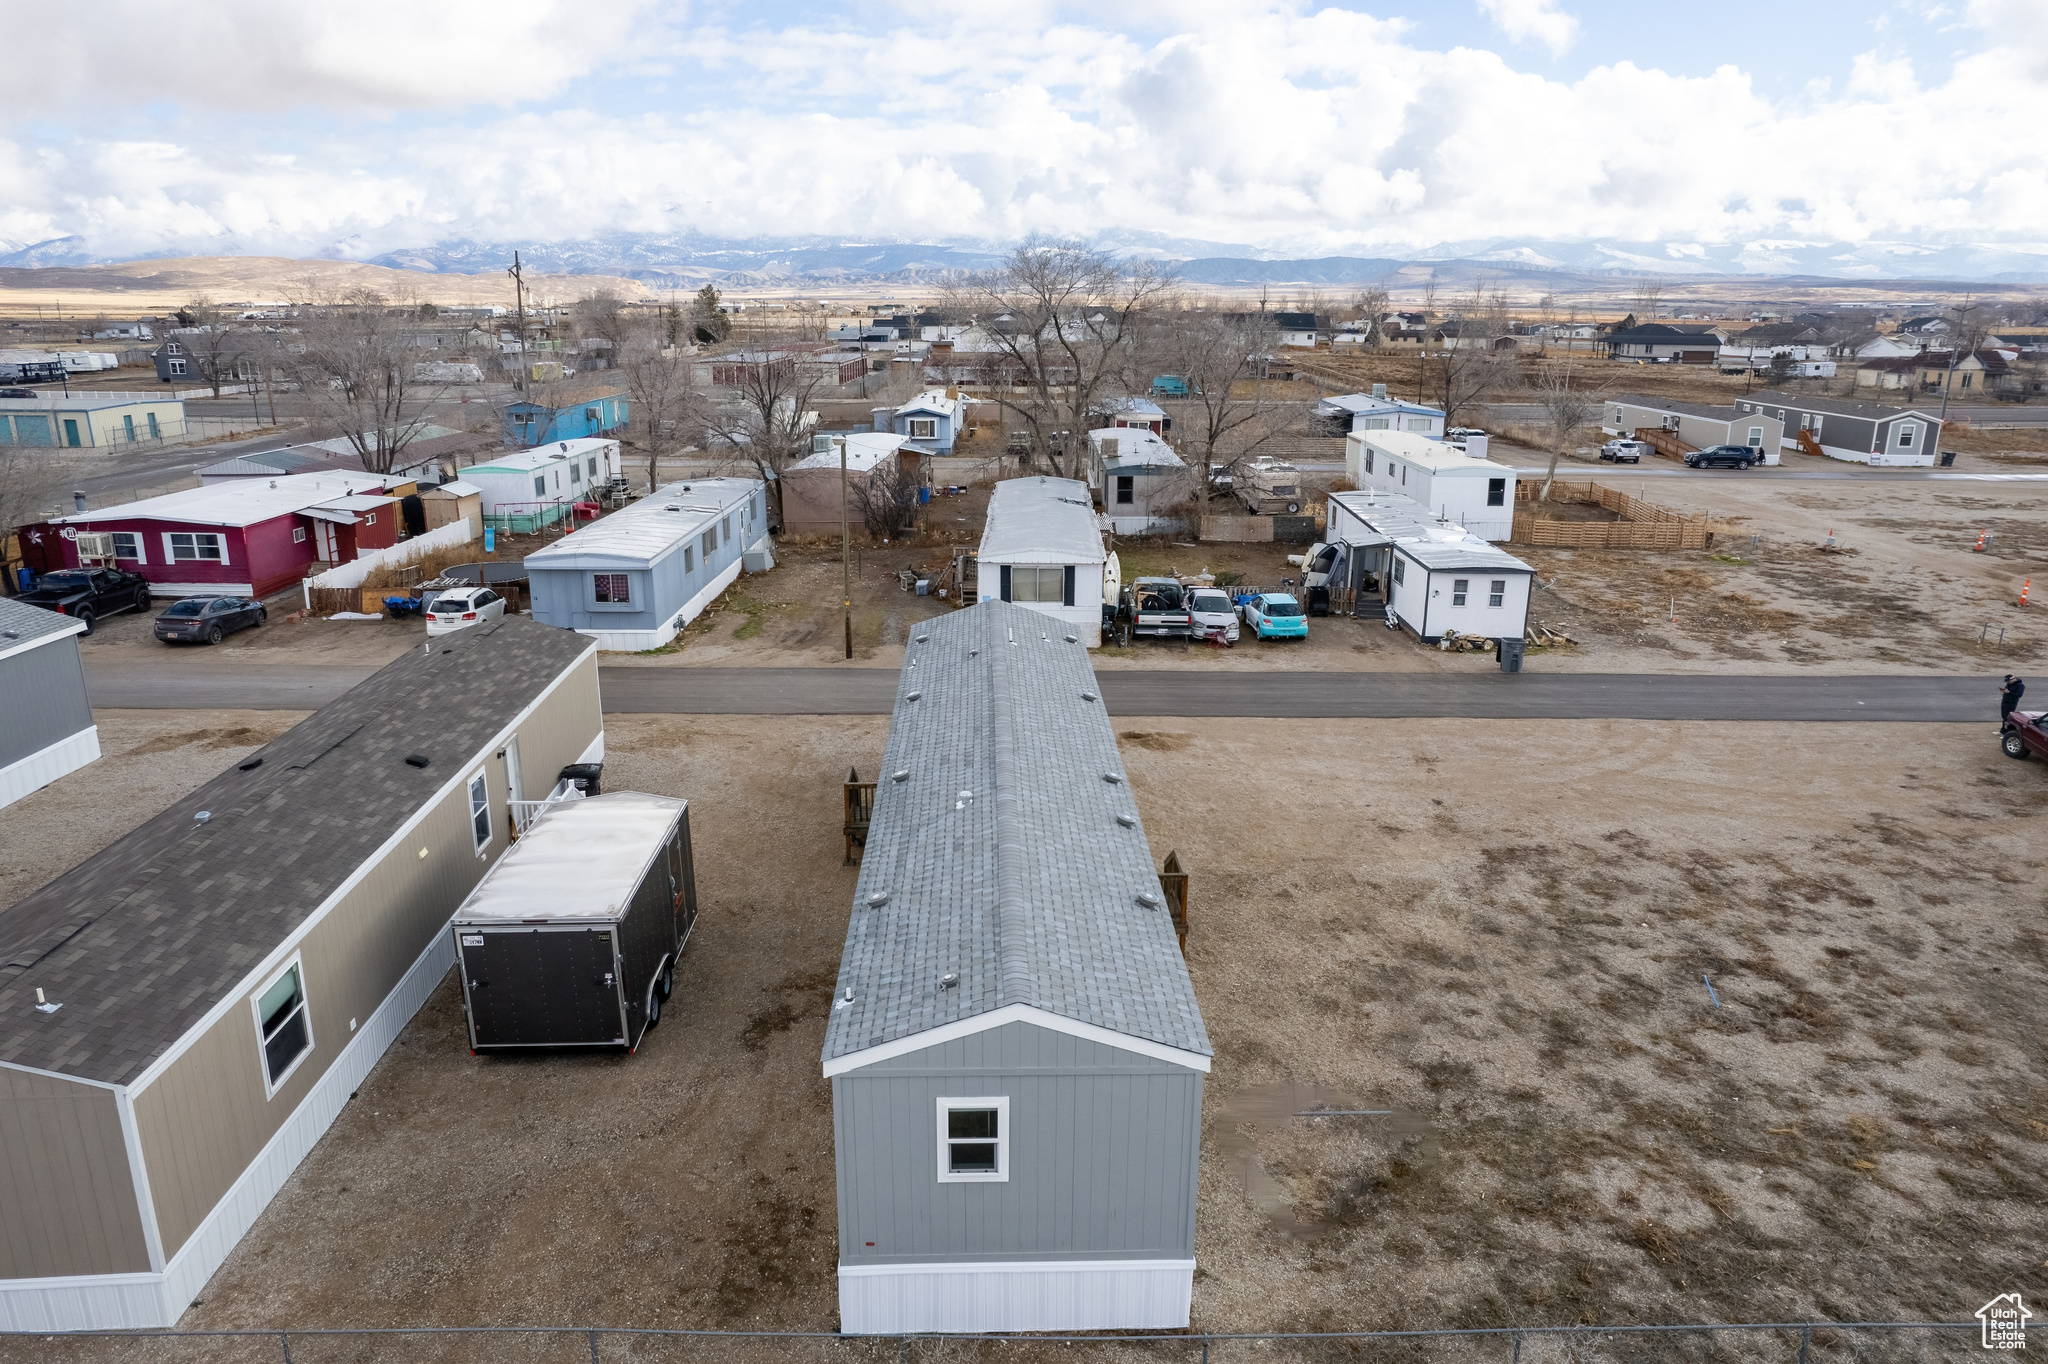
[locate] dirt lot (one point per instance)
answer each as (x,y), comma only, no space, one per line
(1858,1131)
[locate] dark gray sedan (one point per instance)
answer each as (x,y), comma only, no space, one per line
(207,620)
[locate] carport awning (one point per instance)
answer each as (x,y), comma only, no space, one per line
(1364,539)
(339,518)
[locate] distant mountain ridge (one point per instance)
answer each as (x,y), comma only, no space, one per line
(690,259)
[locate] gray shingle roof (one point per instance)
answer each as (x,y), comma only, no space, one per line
(22,625)
(142,939)
(1001,855)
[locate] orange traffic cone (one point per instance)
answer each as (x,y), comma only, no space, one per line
(2025,587)
(1979,547)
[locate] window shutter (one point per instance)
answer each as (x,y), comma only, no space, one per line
(1068,597)
(1006,582)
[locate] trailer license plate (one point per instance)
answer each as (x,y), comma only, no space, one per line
(472,940)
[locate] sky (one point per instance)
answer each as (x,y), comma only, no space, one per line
(1286,126)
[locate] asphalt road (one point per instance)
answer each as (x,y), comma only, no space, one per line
(2000,414)
(1221,695)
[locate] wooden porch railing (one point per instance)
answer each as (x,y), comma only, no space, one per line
(860,811)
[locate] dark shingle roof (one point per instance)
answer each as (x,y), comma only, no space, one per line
(142,939)
(21,624)
(1001,854)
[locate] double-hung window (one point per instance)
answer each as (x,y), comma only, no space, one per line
(1459,586)
(593,466)
(480,812)
(1368,459)
(1496,492)
(725,530)
(710,541)
(1909,435)
(924,428)
(193,545)
(1497,592)
(974,1141)
(1126,489)
(1400,570)
(540,485)
(282,1026)
(613,588)
(128,545)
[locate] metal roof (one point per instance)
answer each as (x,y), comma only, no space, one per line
(1002,856)
(24,627)
(244,502)
(1040,520)
(1365,402)
(145,937)
(644,531)
(539,457)
(1425,452)
(1399,520)
(1724,413)
(82,403)
(580,859)
(1136,447)
(864,450)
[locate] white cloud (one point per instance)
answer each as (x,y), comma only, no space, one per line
(1307,131)
(1533,20)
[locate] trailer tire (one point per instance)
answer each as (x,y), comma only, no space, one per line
(653,1010)
(666,986)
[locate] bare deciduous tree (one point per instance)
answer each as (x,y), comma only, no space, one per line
(354,368)
(1567,409)
(1459,373)
(1215,352)
(885,501)
(1371,302)
(1061,318)
(668,411)
(1647,297)
(214,344)
(767,424)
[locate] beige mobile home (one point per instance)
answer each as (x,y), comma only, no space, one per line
(183,1015)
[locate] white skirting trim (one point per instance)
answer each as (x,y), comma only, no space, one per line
(39,769)
(1016,1295)
(111,1301)
(634,641)
(201,590)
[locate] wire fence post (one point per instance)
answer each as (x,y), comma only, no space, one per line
(903,1351)
(593,1347)
(1205,1350)
(284,1340)
(1805,1340)
(1518,1348)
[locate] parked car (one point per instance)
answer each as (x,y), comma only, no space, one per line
(462,608)
(1458,435)
(1212,611)
(208,620)
(1275,615)
(1725,457)
(19,393)
(1153,606)
(89,593)
(2025,734)
(1625,451)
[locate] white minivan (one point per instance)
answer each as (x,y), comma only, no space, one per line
(464,607)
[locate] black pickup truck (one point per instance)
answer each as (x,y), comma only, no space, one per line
(89,593)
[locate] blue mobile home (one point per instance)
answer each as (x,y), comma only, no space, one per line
(635,578)
(932,421)
(576,415)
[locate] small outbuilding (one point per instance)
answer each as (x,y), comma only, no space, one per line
(636,577)
(522,491)
(1041,548)
(1142,481)
(1432,575)
(1697,425)
(1455,485)
(879,465)
(1015,1050)
(451,502)
(1859,433)
(50,729)
(184,1014)
(89,423)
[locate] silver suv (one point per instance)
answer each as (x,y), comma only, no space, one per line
(1624,451)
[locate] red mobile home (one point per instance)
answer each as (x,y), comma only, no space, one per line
(233,539)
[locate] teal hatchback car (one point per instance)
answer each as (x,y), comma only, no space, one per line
(1275,615)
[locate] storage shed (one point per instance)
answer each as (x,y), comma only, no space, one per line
(1041,548)
(1697,424)
(1453,485)
(635,578)
(1141,481)
(49,729)
(1860,433)
(524,490)
(183,1015)
(878,464)
(1434,575)
(91,423)
(451,502)
(1015,1050)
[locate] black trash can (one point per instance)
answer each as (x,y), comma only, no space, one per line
(588,777)
(1319,601)
(1948,459)
(1509,652)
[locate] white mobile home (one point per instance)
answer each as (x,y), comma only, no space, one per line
(1456,486)
(1697,424)
(1344,413)
(1015,1050)
(635,578)
(1433,575)
(524,490)
(1042,548)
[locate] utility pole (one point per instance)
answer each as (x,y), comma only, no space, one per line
(845,549)
(519,305)
(1955,353)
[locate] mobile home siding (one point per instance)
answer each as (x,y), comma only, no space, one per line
(204,1120)
(1103,1154)
(67,1203)
(46,702)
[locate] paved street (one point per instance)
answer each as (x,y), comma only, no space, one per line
(1308,695)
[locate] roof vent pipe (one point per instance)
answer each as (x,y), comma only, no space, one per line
(78,500)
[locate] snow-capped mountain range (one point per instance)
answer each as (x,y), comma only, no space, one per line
(691,259)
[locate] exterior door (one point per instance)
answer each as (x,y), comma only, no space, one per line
(515,788)
(541,987)
(70,431)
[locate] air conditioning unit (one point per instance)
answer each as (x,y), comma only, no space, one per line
(95,544)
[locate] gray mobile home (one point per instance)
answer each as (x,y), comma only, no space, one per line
(183,1015)
(1143,483)
(1015,1051)
(1861,433)
(49,729)
(635,578)
(1697,424)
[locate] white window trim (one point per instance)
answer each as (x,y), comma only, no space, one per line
(1909,435)
(298,535)
(1001,1104)
(256,1014)
(171,557)
(141,554)
(469,808)
(924,428)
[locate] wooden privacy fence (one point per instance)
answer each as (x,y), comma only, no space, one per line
(1643,525)
(1258,530)
(860,813)
(1173,883)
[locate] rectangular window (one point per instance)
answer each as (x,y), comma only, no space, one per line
(369,518)
(1497,592)
(924,428)
(1126,489)
(1909,435)
(1496,492)
(1404,475)
(974,1141)
(183,545)
(710,542)
(1459,586)
(177,368)
(611,587)
(1756,437)
(283,1029)
(593,466)
(725,530)
(540,485)
(1400,570)
(590,415)
(480,812)
(128,545)
(689,559)
(1368,459)
(1039,583)
(298,535)
(575,474)
(1376,424)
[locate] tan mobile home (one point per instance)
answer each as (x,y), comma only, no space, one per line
(183,1015)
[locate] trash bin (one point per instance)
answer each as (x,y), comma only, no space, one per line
(1319,601)
(1509,652)
(1948,459)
